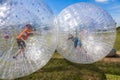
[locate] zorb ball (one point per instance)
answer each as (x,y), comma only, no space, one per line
(86,33)
(27,37)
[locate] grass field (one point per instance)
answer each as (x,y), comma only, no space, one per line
(60,69)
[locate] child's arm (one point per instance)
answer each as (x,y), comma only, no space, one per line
(35,32)
(71,37)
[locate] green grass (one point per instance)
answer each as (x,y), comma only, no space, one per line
(60,69)
(109,67)
(112,77)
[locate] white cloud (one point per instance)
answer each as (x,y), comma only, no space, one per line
(101,0)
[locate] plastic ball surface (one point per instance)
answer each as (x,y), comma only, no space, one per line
(86,33)
(27,37)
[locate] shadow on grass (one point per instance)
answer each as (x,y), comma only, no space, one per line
(109,67)
(91,67)
(60,69)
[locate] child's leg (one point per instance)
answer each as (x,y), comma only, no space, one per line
(75,44)
(79,48)
(18,52)
(23,48)
(23,52)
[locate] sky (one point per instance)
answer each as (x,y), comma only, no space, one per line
(111,6)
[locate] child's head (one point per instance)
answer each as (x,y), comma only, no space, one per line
(29,26)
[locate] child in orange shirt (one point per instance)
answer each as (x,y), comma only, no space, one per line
(21,39)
